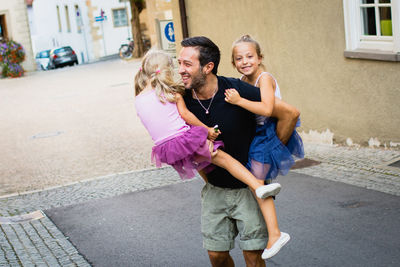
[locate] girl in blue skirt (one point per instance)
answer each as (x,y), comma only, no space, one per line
(274,147)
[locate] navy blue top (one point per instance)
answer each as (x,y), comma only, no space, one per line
(236,124)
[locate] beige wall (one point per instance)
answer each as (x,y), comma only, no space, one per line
(156,10)
(303,43)
(18,28)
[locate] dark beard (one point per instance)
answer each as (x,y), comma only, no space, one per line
(198,81)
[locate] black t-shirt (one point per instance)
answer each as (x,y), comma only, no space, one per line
(236,124)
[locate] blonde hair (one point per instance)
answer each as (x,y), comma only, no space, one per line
(157,70)
(247,39)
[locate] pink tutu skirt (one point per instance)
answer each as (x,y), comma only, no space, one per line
(186,152)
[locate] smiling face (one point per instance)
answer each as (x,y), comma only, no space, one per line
(246,59)
(192,73)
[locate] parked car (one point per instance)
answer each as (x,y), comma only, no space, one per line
(43,60)
(63,56)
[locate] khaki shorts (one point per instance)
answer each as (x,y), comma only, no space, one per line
(228,212)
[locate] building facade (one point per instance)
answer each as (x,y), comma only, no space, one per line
(14,26)
(93,28)
(331,58)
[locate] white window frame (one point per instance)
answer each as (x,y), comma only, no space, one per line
(114,18)
(353,30)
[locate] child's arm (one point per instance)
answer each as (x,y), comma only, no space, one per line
(191,119)
(265,107)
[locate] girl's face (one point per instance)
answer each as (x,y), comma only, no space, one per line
(246,59)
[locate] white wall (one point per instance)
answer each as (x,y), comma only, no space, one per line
(113,36)
(45,29)
(46,34)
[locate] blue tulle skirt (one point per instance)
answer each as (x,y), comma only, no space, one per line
(268,157)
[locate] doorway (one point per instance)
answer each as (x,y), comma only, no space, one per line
(3,28)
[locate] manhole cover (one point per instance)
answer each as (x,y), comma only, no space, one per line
(304,163)
(395,164)
(36,215)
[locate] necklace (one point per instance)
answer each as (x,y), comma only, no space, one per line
(209,105)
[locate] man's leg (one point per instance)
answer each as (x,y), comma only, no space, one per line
(221,259)
(218,229)
(253,258)
(252,228)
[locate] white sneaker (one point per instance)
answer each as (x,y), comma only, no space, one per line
(268,253)
(268,190)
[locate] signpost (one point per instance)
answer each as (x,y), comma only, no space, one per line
(100,19)
(167,35)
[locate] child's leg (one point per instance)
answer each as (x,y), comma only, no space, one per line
(268,210)
(267,205)
(287,116)
(235,168)
(259,170)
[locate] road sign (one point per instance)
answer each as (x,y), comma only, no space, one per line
(167,35)
(99,18)
(169,32)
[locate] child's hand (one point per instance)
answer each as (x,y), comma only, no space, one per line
(213,132)
(232,96)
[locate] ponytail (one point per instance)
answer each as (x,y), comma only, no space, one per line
(158,72)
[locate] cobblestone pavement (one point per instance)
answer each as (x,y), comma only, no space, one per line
(39,242)
(364,167)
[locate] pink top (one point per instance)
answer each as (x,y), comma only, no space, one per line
(162,120)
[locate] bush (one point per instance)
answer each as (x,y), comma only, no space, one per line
(11,55)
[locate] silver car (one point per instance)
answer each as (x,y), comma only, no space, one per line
(63,56)
(43,60)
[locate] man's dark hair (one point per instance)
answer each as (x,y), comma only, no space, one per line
(208,51)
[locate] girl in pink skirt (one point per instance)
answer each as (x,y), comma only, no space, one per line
(180,138)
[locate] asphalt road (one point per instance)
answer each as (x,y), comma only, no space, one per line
(331,224)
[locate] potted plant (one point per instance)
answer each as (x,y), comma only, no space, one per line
(12,54)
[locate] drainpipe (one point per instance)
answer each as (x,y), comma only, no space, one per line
(182,9)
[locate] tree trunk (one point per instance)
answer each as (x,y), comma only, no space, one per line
(136,32)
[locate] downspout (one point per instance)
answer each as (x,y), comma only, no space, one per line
(182,9)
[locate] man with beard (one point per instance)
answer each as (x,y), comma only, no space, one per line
(228,206)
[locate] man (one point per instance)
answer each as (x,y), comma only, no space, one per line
(228,206)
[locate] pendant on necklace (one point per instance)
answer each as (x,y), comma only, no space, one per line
(206,111)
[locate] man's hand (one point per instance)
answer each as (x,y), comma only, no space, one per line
(232,96)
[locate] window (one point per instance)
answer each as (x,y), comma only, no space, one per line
(78,19)
(373,27)
(59,19)
(67,18)
(120,17)
(43,54)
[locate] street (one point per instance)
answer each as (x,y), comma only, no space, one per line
(331,224)
(70,124)
(73,150)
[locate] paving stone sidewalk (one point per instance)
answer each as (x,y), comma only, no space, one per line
(40,243)
(363,167)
